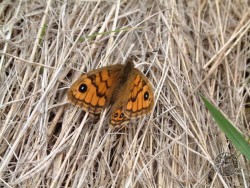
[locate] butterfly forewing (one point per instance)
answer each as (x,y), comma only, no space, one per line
(141,96)
(93,91)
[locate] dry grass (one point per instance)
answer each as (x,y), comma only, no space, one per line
(189,48)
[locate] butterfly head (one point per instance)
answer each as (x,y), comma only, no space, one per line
(118,118)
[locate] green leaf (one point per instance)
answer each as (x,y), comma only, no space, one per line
(94,35)
(42,33)
(233,134)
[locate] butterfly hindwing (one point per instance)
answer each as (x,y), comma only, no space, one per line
(118,118)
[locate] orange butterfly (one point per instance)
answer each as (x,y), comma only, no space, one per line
(123,87)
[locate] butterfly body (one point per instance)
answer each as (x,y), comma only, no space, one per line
(123,87)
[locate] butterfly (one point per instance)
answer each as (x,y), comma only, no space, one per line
(123,87)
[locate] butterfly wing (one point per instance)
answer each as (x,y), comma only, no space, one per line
(140,97)
(117,117)
(136,98)
(93,91)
